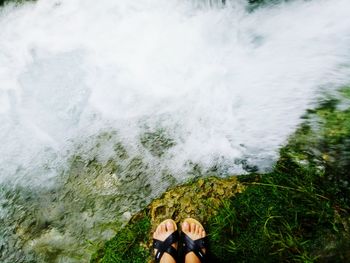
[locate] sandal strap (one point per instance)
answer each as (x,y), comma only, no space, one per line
(166,246)
(196,247)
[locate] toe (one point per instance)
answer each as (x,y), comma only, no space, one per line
(162,228)
(170,226)
(193,228)
(198,230)
(156,232)
(185,227)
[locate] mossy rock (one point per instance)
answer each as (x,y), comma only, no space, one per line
(200,199)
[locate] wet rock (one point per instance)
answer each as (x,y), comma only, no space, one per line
(89,202)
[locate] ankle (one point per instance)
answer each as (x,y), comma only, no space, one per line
(191,258)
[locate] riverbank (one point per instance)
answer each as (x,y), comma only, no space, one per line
(160,107)
(297,213)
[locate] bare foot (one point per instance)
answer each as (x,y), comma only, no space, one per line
(165,229)
(194,231)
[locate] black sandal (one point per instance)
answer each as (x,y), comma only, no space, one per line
(166,245)
(195,246)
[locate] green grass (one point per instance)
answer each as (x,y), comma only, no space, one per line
(129,245)
(299,212)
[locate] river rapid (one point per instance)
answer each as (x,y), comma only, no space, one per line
(108,103)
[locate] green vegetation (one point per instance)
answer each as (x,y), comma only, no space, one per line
(299,212)
(157,142)
(129,245)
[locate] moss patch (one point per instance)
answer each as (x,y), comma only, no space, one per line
(200,199)
(129,245)
(157,142)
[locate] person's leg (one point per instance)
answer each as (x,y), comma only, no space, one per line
(163,231)
(195,231)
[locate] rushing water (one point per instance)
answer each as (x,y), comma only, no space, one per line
(173,84)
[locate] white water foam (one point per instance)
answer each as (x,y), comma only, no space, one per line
(226,83)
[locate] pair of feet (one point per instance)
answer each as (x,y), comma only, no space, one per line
(193,233)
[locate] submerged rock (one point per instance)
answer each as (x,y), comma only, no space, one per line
(89,202)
